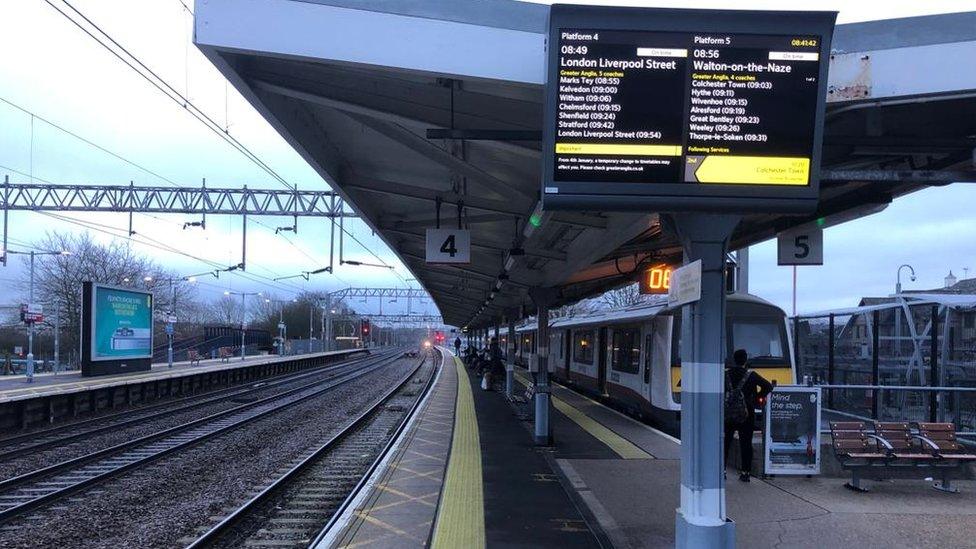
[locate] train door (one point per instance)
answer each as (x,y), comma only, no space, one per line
(567,352)
(602,346)
(647,363)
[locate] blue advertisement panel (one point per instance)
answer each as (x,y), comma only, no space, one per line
(121,323)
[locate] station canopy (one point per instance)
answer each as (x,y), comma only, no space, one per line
(405,105)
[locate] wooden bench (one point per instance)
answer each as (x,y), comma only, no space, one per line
(225,354)
(899,450)
(193,356)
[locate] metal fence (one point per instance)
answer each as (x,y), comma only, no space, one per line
(897,361)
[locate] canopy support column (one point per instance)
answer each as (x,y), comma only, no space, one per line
(701,519)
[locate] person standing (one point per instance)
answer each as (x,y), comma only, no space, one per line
(744,389)
(457,346)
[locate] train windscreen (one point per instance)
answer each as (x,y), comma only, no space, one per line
(763,339)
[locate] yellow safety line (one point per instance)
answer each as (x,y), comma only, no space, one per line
(461,513)
(621,446)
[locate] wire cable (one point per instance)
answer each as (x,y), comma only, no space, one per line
(164,87)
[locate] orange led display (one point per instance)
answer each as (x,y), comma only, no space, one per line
(656,279)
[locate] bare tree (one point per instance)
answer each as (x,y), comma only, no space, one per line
(625,296)
(58,278)
(580,308)
(225,310)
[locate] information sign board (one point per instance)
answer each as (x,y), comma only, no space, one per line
(685,284)
(684,109)
(448,246)
(792,434)
(800,247)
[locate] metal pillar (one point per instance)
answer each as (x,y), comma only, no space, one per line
(243,327)
(30,325)
(543,428)
(742,277)
(510,358)
(830,360)
(934,365)
(875,362)
(701,519)
(57,337)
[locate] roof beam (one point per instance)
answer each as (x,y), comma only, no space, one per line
(520,281)
(579,220)
(424,221)
(432,152)
(356,181)
(491,246)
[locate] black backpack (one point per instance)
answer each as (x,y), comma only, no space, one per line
(736,405)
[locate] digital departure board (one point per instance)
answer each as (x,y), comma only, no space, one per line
(684,109)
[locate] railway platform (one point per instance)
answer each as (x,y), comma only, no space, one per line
(54,396)
(466,474)
(15,387)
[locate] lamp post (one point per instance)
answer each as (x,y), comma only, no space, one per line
(171,317)
(30,302)
(281,322)
(900,311)
(898,282)
(243,313)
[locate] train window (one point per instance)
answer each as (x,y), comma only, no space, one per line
(625,355)
(528,342)
(583,346)
(760,338)
(676,340)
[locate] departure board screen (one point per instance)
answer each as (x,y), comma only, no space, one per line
(684,109)
(651,107)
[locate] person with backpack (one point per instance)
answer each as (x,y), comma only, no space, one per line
(743,390)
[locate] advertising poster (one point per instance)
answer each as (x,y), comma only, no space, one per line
(792,434)
(122,323)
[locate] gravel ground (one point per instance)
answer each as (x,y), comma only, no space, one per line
(50,456)
(171,499)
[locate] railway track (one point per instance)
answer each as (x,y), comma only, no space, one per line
(304,502)
(24,493)
(36,441)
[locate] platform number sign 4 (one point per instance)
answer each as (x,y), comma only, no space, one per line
(800,247)
(448,246)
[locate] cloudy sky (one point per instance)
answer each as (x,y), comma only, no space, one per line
(54,70)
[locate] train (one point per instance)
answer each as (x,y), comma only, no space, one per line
(631,358)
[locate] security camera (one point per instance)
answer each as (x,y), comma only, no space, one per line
(913,278)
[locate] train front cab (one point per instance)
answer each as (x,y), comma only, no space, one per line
(752,324)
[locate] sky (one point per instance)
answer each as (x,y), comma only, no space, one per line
(54,70)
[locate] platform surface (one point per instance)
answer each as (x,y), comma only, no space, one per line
(16,387)
(468,475)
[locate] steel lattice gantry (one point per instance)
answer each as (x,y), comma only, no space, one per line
(393,293)
(186,200)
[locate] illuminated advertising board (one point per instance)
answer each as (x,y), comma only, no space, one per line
(117,329)
(682,110)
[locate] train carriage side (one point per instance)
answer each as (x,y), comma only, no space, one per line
(632,358)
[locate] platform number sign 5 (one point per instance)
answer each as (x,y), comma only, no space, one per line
(800,247)
(448,246)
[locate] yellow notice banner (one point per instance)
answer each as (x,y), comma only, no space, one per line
(755,170)
(630,150)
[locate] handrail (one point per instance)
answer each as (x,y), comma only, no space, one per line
(899,388)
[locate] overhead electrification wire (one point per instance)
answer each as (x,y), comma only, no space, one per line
(87,141)
(153,243)
(119,157)
(163,86)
